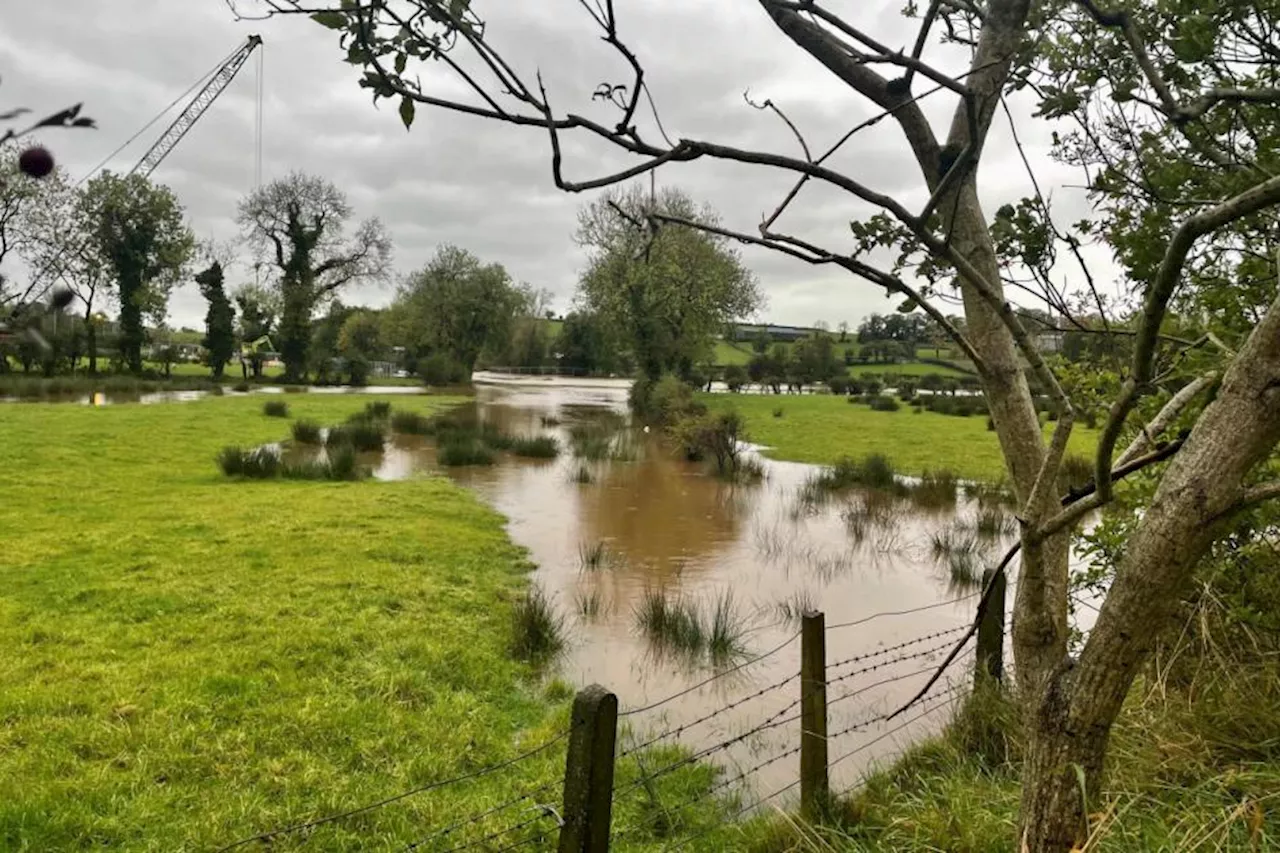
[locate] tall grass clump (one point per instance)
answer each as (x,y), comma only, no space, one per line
(461,450)
(536,447)
(792,608)
(366,436)
(306,432)
(936,489)
(581,475)
(342,464)
(874,471)
(670,624)
(727,629)
(994,523)
(588,605)
(259,463)
(591,441)
(275,409)
(379,409)
(410,423)
(537,630)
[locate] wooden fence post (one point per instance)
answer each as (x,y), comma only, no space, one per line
(588,772)
(991,629)
(814,784)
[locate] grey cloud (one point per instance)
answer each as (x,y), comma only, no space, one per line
(463,180)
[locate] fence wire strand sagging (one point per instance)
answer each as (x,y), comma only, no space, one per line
(946,695)
(530,795)
(865,619)
(290,829)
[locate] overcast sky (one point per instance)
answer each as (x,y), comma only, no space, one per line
(467,181)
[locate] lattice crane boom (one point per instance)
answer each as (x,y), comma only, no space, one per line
(221,78)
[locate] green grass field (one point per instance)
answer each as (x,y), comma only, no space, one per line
(193,659)
(820,428)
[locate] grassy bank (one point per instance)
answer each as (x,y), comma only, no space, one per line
(192,659)
(821,428)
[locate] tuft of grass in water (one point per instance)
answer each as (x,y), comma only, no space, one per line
(259,463)
(867,514)
(670,624)
(874,471)
(792,608)
(459,451)
(241,387)
(727,629)
(591,441)
(410,423)
(549,421)
(275,409)
(593,556)
(994,494)
(537,630)
(588,604)
(379,409)
(536,447)
(936,489)
(581,475)
(366,436)
(679,625)
(306,432)
(964,568)
(994,523)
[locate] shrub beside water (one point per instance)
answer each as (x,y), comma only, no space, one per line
(306,432)
(275,409)
(257,463)
(378,409)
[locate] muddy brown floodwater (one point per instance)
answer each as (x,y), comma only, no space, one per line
(667,526)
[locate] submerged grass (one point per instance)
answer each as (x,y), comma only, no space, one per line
(679,625)
(458,451)
(536,447)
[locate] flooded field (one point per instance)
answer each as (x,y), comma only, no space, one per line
(621,529)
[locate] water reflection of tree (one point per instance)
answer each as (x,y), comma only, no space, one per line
(664,517)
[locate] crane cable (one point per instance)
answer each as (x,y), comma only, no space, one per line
(257,128)
(203,79)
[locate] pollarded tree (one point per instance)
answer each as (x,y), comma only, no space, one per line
(219,320)
(299,222)
(666,292)
(138,231)
(1170,109)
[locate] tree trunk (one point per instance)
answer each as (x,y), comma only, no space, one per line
(1196,495)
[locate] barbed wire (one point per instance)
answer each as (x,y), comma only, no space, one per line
(903,645)
(683,727)
(543,812)
(431,786)
(715,677)
(907,612)
(476,818)
(761,801)
(780,718)
(923,653)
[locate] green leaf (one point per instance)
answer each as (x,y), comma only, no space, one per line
(907,307)
(401,59)
(332,20)
(406,112)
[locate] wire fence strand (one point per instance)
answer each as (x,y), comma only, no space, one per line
(716,677)
(906,612)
